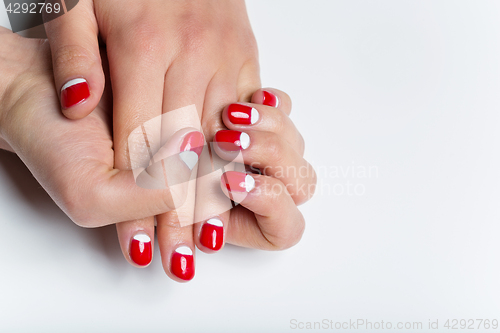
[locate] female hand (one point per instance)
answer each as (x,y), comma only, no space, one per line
(163,55)
(72,160)
(267,141)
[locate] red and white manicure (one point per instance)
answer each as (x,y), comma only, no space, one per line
(191,148)
(270,99)
(232,140)
(238,181)
(212,234)
(182,263)
(242,114)
(140,249)
(74,92)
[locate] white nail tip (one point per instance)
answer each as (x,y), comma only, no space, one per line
(72,83)
(215,222)
(185,250)
(249,183)
(142,238)
(190,158)
(254,116)
(244,140)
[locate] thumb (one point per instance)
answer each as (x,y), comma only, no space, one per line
(77,65)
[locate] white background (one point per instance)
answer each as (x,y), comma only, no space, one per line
(409,88)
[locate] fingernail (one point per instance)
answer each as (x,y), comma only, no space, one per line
(73,92)
(238,181)
(140,249)
(269,99)
(191,148)
(212,234)
(182,263)
(232,140)
(242,114)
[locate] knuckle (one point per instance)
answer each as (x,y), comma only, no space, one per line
(301,144)
(195,43)
(287,100)
(281,123)
(274,149)
(75,57)
(290,236)
(196,36)
(146,38)
(308,193)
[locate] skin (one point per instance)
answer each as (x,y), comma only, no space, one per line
(73,162)
(265,219)
(163,55)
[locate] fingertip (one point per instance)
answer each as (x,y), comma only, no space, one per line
(211,235)
(80,96)
(77,64)
(182,265)
(136,240)
(237,185)
(274,98)
(141,250)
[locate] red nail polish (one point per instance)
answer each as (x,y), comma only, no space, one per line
(242,114)
(193,141)
(212,234)
(232,140)
(269,99)
(140,249)
(238,181)
(73,92)
(182,263)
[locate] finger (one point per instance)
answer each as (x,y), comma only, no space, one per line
(248,75)
(274,98)
(212,206)
(176,243)
(212,209)
(137,241)
(271,219)
(272,155)
(137,97)
(246,116)
(76,61)
(136,236)
(185,85)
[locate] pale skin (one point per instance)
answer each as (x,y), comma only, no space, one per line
(265,219)
(163,55)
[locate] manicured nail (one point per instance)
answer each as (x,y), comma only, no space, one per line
(212,234)
(140,249)
(270,99)
(182,263)
(232,140)
(238,181)
(191,148)
(73,92)
(242,114)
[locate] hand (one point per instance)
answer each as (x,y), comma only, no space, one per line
(73,161)
(163,55)
(267,217)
